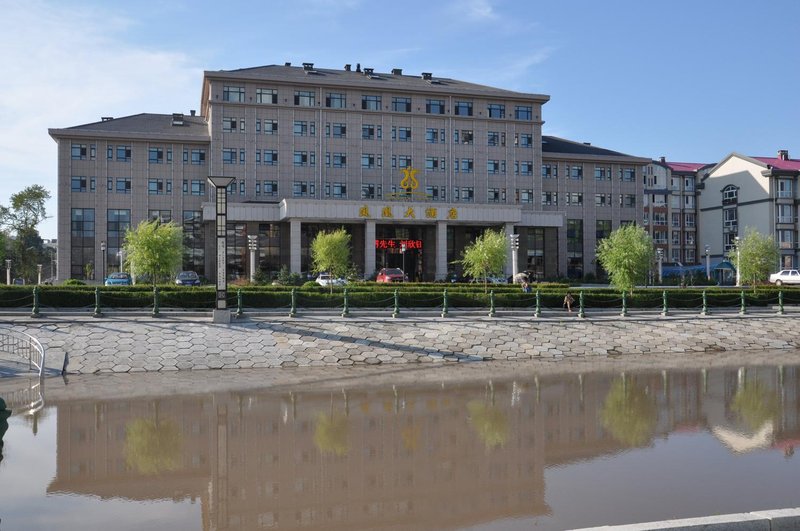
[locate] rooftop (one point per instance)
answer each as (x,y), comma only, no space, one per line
(553,144)
(178,126)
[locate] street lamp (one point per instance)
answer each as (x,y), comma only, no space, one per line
(221,312)
(738,261)
(514,241)
(252,244)
(103,252)
(708,262)
(660,255)
(121,258)
(39,269)
(8,271)
(403,252)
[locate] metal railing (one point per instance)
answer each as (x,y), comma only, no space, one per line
(24,346)
(28,400)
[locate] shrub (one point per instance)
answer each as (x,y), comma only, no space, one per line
(74,282)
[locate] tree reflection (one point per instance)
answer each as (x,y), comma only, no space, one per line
(628,413)
(489,422)
(755,404)
(330,435)
(152,446)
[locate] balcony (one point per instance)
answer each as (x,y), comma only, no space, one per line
(785,194)
(785,219)
(786,245)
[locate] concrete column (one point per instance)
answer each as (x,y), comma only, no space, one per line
(369,248)
(294,246)
(509,230)
(441,250)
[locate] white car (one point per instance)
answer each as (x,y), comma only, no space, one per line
(325,279)
(787,276)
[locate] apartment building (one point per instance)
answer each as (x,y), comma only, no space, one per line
(403,162)
(670,209)
(742,192)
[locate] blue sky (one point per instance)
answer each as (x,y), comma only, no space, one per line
(690,80)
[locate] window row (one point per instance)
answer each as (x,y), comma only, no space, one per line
(373,102)
(123,153)
(123,185)
(576,199)
(601,173)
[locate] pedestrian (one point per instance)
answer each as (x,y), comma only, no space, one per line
(568,300)
(526,288)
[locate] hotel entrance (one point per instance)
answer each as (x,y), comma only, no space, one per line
(408,247)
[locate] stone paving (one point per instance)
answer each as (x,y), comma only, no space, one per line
(130,343)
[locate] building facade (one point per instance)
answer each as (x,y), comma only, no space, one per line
(744,192)
(413,167)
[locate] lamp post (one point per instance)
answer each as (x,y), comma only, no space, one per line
(403,252)
(708,263)
(103,252)
(252,244)
(738,261)
(121,258)
(39,270)
(221,312)
(660,256)
(514,241)
(8,271)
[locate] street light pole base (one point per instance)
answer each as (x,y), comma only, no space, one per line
(221,316)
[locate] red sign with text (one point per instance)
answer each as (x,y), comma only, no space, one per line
(398,244)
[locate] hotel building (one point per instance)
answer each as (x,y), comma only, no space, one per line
(395,159)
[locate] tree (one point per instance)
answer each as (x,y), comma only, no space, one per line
(758,255)
(154,248)
(629,414)
(626,254)
(20,219)
(152,446)
(330,252)
(756,405)
(485,256)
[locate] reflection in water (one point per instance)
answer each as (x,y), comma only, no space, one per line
(422,457)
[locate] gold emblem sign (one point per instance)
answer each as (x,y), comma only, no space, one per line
(409,181)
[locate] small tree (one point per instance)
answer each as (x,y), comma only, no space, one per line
(758,255)
(626,254)
(330,252)
(155,248)
(485,256)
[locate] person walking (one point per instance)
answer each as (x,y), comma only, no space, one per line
(568,300)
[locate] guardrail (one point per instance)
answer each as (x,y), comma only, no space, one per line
(28,400)
(24,346)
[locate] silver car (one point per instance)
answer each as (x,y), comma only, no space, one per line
(786,276)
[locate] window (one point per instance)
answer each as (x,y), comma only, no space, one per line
(198,187)
(155,155)
(199,156)
(495,166)
(270,188)
(123,185)
(434,193)
(228,156)
(627,174)
(602,228)
(525,196)
(688,237)
(523,140)
(233,94)
(496,110)
(785,239)
(163,216)
(523,112)
(304,158)
(574,198)
(401,104)
(270,127)
(270,157)
(688,201)
(265,95)
(305,98)
(433,136)
(676,219)
(336,100)
(602,200)
(303,189)
(493,138)
(339,160)
(730,195)
(659,218)
(368,132)
(688,220)
(433,164)
(575,248)
(627,200)
(467,165)
(159,186)
(526,167)
(367,160)
(124,153)
(303,128)
(232,125)
(660,236)
(575,172)
(82,232)
(401,134)
(467,137)
(496,195)
(370,103)
(467,194)
(434,106)
(79,184)
(110,152)
(602,174)
(676,237)
(339,130)
(549,171)
(78,151)
(463,108)
(688,184)
(368,191)
(339,190)
(550,198)
(784,187)
(785,213)
(401,161)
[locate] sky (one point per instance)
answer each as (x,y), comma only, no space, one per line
(689,80)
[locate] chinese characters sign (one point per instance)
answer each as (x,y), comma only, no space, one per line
(398,244)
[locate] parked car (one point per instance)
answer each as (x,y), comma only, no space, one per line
(391,274)
(326,279)
(187,278)
(119,278)
(490,280)
(786,276)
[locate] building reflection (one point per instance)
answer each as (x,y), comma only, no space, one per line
(426,457)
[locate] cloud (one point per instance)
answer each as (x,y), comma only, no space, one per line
(478,10)
(64,66)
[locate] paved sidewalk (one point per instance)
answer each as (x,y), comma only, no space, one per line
(130,342)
